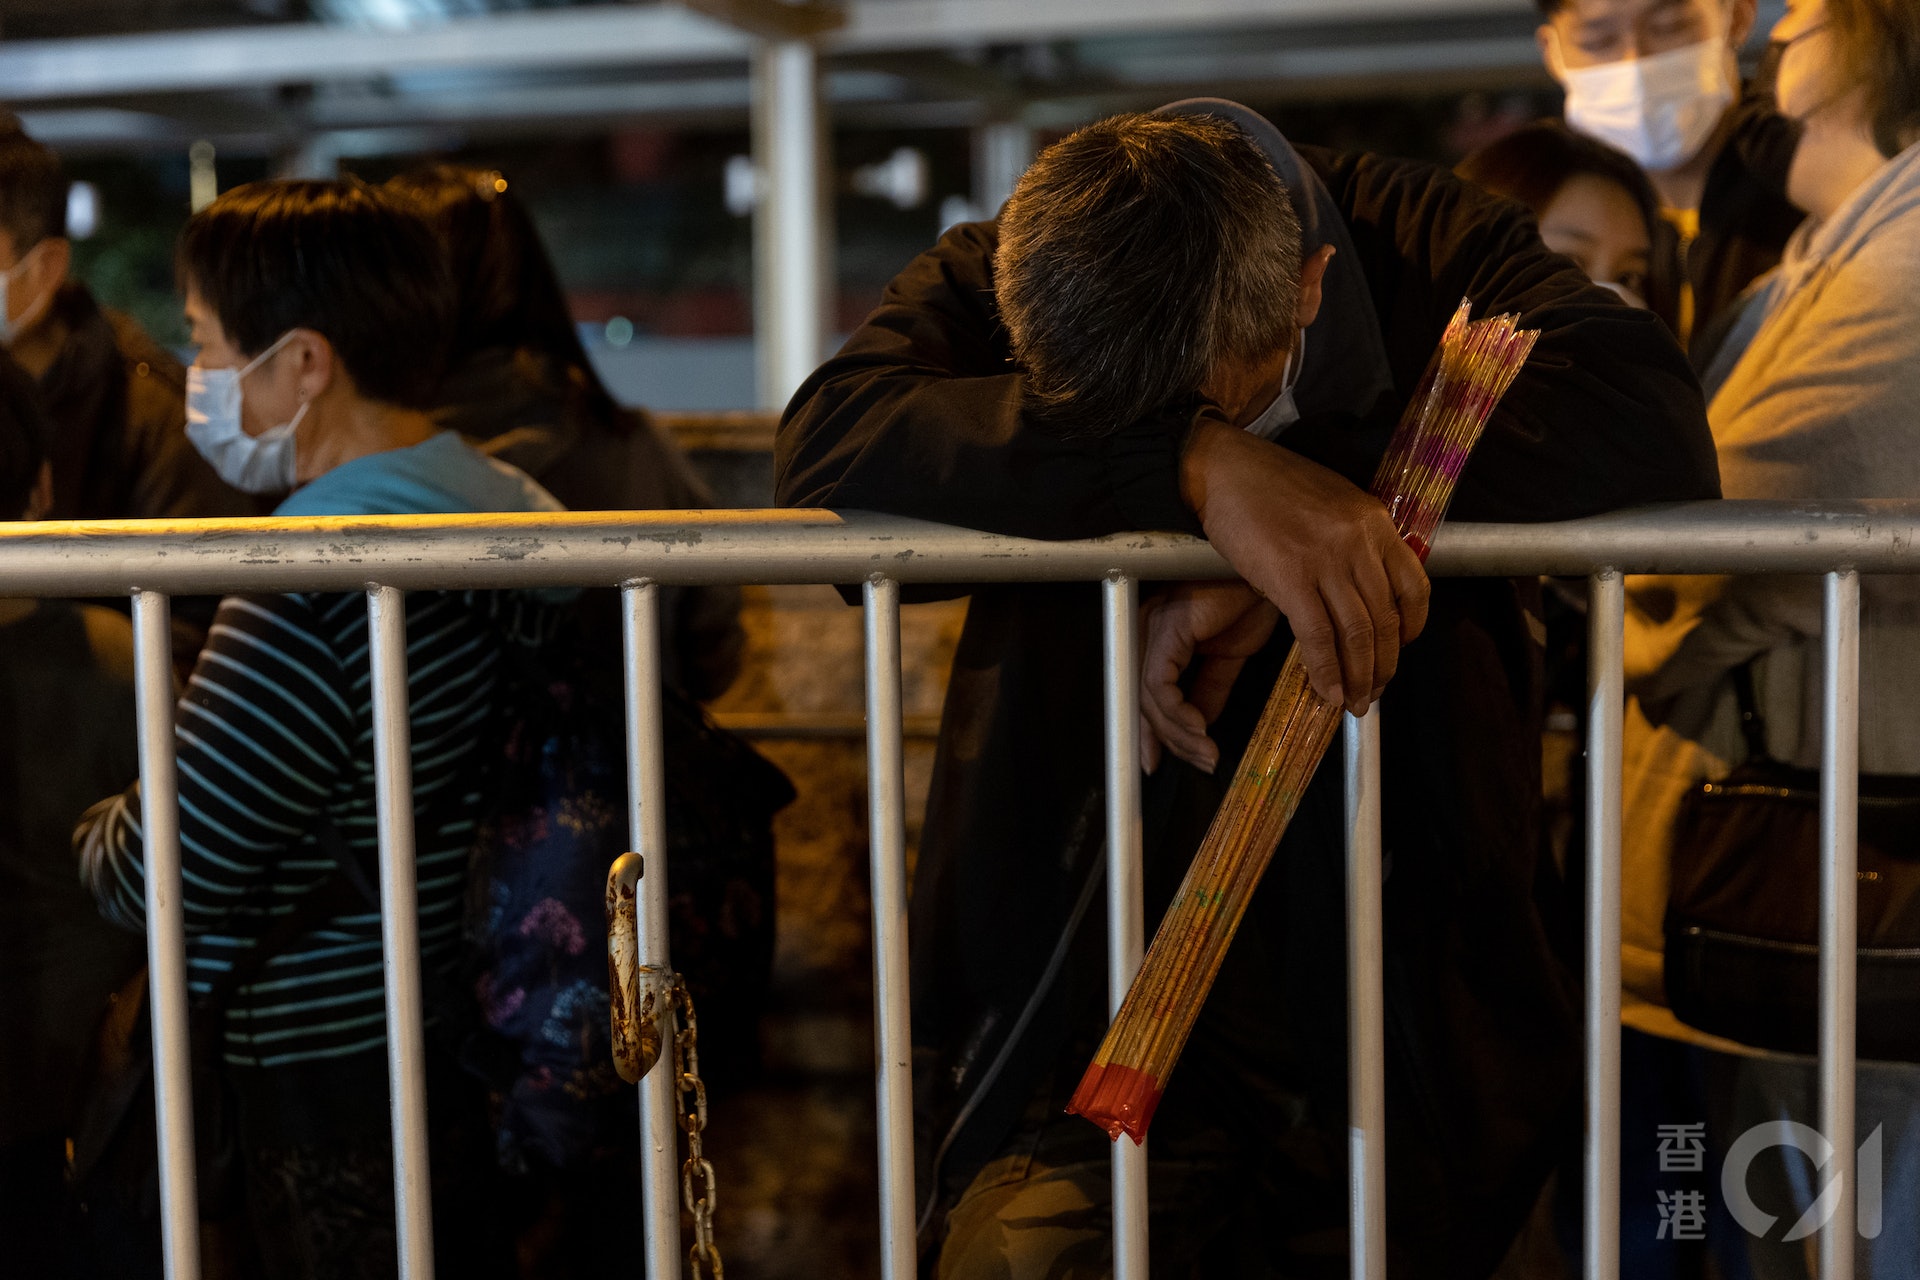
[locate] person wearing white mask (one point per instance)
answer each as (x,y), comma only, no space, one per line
(324,312)
(295,395)
(1659,80)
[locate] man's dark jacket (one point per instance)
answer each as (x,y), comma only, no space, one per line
(922,414)
(1745,219)
(117,403)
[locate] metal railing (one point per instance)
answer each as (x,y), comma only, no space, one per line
(638,552)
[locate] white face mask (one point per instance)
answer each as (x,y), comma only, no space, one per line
(251,464)
(10,328)
(1283,413)
(1660,110)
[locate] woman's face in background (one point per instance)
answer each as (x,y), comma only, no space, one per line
(1806,80)
(1594,221)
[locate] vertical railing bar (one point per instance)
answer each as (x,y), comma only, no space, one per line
(1839,904)
(887,831)
(647,825)
(400,929)
(1606,682)
(1126,911)
(1366,1004)
(166,937)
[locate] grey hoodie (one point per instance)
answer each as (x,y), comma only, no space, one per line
(1815,397)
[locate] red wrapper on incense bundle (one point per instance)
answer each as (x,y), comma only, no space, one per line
(1472,369)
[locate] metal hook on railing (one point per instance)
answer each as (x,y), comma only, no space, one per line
(640,996)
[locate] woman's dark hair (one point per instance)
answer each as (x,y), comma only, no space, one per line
(1532,163)
(1138,254)
(335,257)
(510,297)
(24,433)
(1878,43)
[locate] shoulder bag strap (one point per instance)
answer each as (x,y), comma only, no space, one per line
(1753,726)
(482,1052)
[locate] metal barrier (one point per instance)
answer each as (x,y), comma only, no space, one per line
(637,552)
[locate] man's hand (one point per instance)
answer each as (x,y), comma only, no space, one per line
(1222,624)
(1323,552)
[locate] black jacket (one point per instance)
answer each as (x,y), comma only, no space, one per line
(921,413)
(525,408)
(1745,220)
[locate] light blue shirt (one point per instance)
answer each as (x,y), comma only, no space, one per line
(442,475)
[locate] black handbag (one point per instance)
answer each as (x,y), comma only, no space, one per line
(1743,912)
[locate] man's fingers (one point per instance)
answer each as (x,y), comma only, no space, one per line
(1353,632)
(1172,716)
(1370,580)
(1173,722)
(1177,725)
(1410,587)
(1212,682)
(1167,650)
(1313,631)
(1149,740)
(1181,731)
(1149,745)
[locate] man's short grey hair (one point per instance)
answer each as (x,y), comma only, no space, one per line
(1138,254)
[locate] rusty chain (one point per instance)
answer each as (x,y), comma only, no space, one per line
(646,1004)
(703,1258)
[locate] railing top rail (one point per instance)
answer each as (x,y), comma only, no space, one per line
(1732,536)
(678,547)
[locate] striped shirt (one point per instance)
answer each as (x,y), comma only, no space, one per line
(276,728)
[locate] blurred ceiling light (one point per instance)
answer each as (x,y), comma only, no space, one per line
(742,185)
(901,178)
(203,185)
(83,210)
(90,126)
(619,331)
(400,14)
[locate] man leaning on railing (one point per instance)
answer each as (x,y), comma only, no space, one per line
(1182,322)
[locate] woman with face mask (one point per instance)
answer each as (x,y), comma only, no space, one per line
(322,311)
(1811,397)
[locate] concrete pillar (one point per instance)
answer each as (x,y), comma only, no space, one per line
(793,280)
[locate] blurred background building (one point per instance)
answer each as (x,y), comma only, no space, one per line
(630,127)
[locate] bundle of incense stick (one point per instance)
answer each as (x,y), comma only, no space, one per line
(1472,369)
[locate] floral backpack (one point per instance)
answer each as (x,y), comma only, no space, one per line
(556,820)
